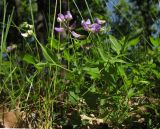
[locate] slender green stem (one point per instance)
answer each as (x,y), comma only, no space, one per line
(2,36)
(53,24)
(89,10)
(78,9)
(32,17)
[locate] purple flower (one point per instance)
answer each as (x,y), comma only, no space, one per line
(98,21)
(59,29)
(86,24)
(68,16)
(11,48)
(94,28)
(74,34)
(60,18)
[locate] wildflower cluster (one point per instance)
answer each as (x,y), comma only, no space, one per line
(95,27)
(64,19)
(87,26)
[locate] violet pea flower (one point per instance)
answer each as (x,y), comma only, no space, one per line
(86,24)
(79,36)
(68,16)
(59,29)
(94,28)
(60,18)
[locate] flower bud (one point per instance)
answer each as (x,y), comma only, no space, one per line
(97,20)
(59,29)
(60,18)
(68,16)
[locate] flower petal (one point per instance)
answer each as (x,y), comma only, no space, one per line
(30,32)
(95,28)
(97,20)
(11,48)
(68,16)
(25,35)
(60,18)
(59,29)
(74,34)
(85,25)
(88,22)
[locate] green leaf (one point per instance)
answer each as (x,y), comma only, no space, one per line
(108,28)
(40,65)
(50,58)
(155,42)
(46,55)
(54,44)
(132,42)
(115,45)
(93,72)
(29,59)
(144,82)
(135,34)
(73,98)
(122,72)
(67,56)
(130,93)
(102,54)
(92,88)
(116,60)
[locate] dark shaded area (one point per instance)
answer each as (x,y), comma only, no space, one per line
(134,17)
(13,35)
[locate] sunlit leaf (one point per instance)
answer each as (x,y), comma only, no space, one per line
(29,59)
(155,42)
(93,72)
(132,42)
(130,93)
(115,45)
(40,65)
